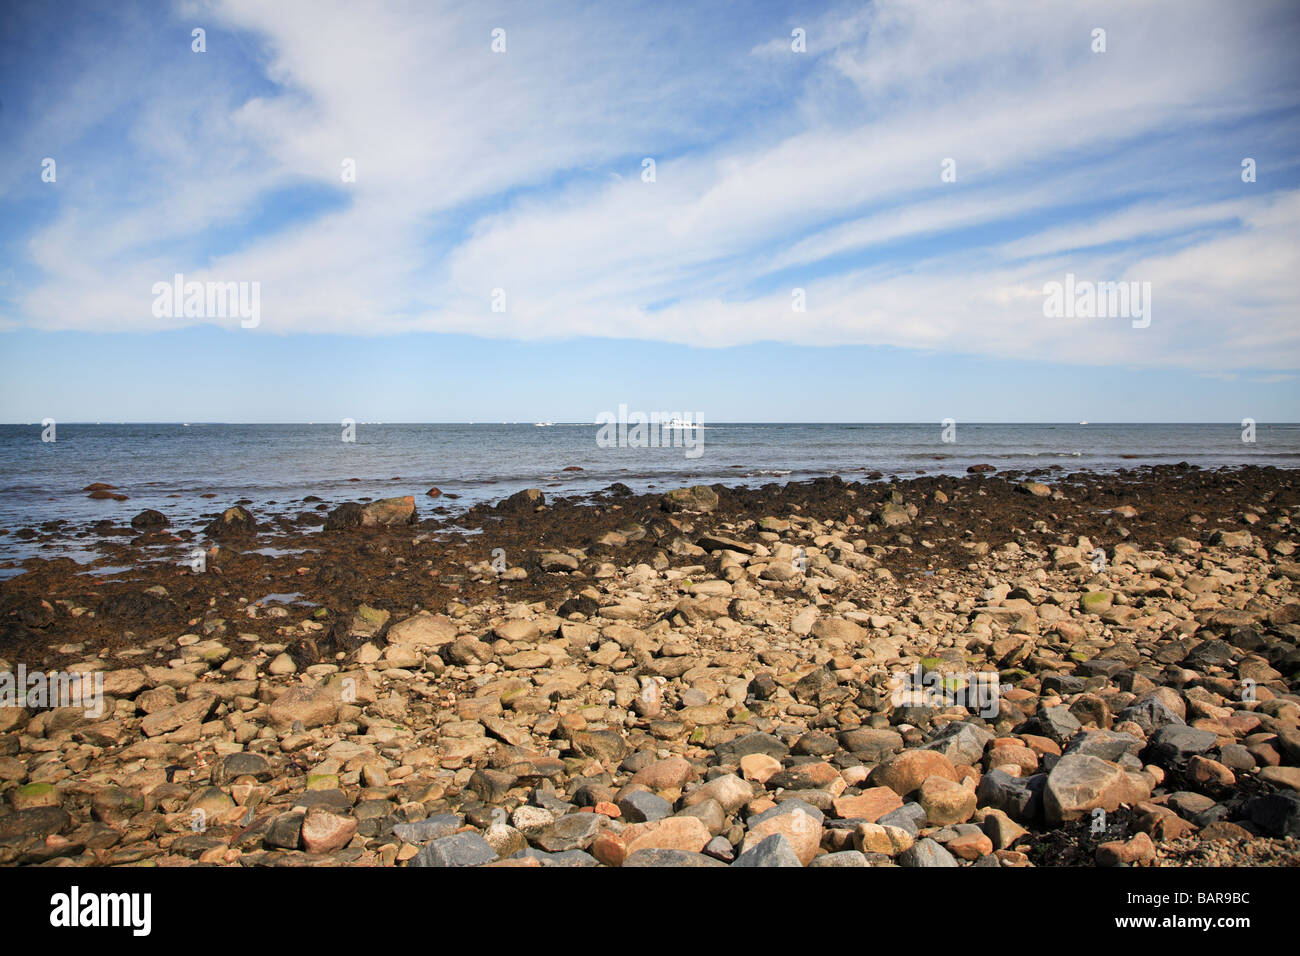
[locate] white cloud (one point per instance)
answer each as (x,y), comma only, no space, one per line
(478,171)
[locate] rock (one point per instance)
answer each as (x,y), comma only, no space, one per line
(673,833)
(798,822)
(1175,743)
(116,805)
(149,520)
(1121,852)
(36,823)
(312,706)
(876,838)
(573,831)
(528,500)
(700,498)
(773,850)
(555,561)
(894,515)
(905,772)
(926,853)
(842,858)
(284,831)
(671,773)
(242,764)
(172,718)
(946,802)
(733,750)
(669,858)
(1277,814)
(1001,830)
(641,806)
(1078,784)
(430,828)
(344,518)
(234,523)
(969,846)
(871,804)
(871,745)
(389,512)
(759,768)
(325,832)
(423,630)
(960,742)
(460,849)
(728,790)
(33,795)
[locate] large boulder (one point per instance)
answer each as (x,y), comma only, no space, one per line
(424,629)
(1079,784)
(389,512)
(696,498)
(234,523)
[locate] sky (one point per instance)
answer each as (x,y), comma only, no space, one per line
(752,211)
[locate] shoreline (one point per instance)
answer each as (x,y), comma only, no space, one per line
(638,643)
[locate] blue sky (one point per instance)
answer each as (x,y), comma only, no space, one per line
(775,170)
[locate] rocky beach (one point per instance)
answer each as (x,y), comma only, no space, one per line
(784,675)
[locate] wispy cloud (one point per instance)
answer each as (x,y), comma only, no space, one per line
(522,171)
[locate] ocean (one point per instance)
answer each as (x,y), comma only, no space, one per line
(168,466)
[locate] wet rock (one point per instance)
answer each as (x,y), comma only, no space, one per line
(234,522)
(149,520)
(700,498)
(389,512)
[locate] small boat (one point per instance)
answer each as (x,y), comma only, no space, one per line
(680,425)
(1083,423)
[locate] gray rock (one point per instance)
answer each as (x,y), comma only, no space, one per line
(243,764)
(1150,715)
(1176,742)
(842,858)
(564,858)
(1106,744)
(1020,798)
(671,858)
(720,848)
(1277,814)
(641,806)
(787,806)
(731,751)
(870,744)
(926,853)
(430,828)
(573,831)
(961,742)
(460,849)
(1055,723)
(773,851)
(910,817)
